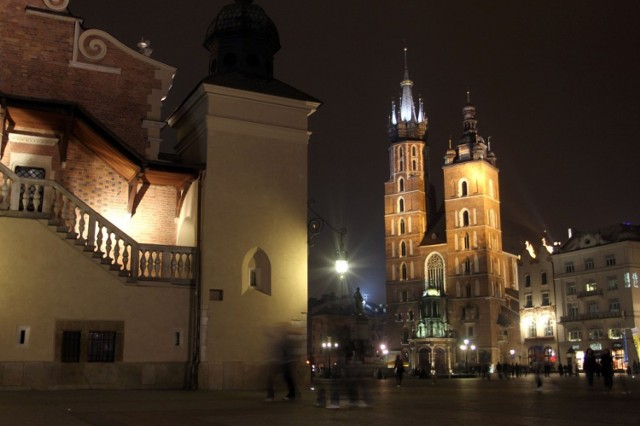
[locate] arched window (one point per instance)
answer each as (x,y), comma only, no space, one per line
(401,156)
(402,227)
(257,271)
(435,272)
(468,290)
(466,241)
(413,151)
(403,271)
(414,165)
(464,190)
(401,185)
(403,249)
(467,266)
(401,205)
(465,218)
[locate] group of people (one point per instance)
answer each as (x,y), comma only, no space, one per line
(605,367)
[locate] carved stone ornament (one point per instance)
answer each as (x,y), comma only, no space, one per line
(57,5)
(90,46)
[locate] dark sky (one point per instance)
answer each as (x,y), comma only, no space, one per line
(556,85)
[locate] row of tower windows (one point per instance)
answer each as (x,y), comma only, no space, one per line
(400,154)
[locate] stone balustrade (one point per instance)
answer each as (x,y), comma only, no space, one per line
(138,263)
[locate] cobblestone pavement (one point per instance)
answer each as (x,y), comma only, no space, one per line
(562,401)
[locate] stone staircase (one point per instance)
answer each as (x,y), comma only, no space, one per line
(77,223)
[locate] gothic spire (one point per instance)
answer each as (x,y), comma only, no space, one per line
(404,122)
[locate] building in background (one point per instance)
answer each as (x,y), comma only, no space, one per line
(451,290)
(124,270)
(598,293)
(538,321)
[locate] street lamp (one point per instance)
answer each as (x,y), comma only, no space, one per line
(328,345)
(512,352)
(464,347)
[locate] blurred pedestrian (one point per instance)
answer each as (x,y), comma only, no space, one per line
(398,368)
(589,366)
(606,363)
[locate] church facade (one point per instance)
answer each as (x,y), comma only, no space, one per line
(451,289)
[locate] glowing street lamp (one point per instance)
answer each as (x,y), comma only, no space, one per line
(328,345)
(464,347)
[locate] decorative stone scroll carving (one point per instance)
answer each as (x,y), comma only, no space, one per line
(92,47)
(57,5)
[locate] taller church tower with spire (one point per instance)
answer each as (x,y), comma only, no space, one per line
(451,290)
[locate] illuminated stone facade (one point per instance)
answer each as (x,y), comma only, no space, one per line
(123,271)
(448,279)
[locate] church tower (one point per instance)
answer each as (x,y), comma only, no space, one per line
(476,266)
(405,211)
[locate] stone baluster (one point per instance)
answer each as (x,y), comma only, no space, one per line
(116,251)
(81,225)
(37,198)
(4,193)
(174,265)
(96,236)
(125,258)
(107,248)
(157,265)
(188,271)
(25,197)
(143,264)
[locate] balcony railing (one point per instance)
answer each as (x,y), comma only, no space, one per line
(587,293)
(46,199)
(591,316)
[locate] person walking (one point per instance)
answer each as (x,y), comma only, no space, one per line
(399,370)
(606,363)
(589,365)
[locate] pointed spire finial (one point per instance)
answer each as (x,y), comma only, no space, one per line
(449,141)
(468,96)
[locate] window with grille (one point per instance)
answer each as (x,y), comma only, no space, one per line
(568,267)
(588,264)
(102,346)
(610,260)
(70,346)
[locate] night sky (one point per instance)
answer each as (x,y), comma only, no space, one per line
(555,83)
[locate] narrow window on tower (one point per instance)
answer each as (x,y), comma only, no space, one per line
(464,191)
(401,185)
(466,241)
(403,249)
(404,271)
(401,205)
(465,218)
(402,227)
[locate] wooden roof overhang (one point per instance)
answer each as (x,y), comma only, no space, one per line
(66,121)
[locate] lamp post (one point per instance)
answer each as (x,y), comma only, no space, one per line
(328,345)
(464,347)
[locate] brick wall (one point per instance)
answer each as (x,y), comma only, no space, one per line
(35,52)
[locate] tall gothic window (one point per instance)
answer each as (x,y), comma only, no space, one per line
(401,185)
(401,205)
(403,249)
(403,270)
(402,227)
(466,241)
(435,272)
